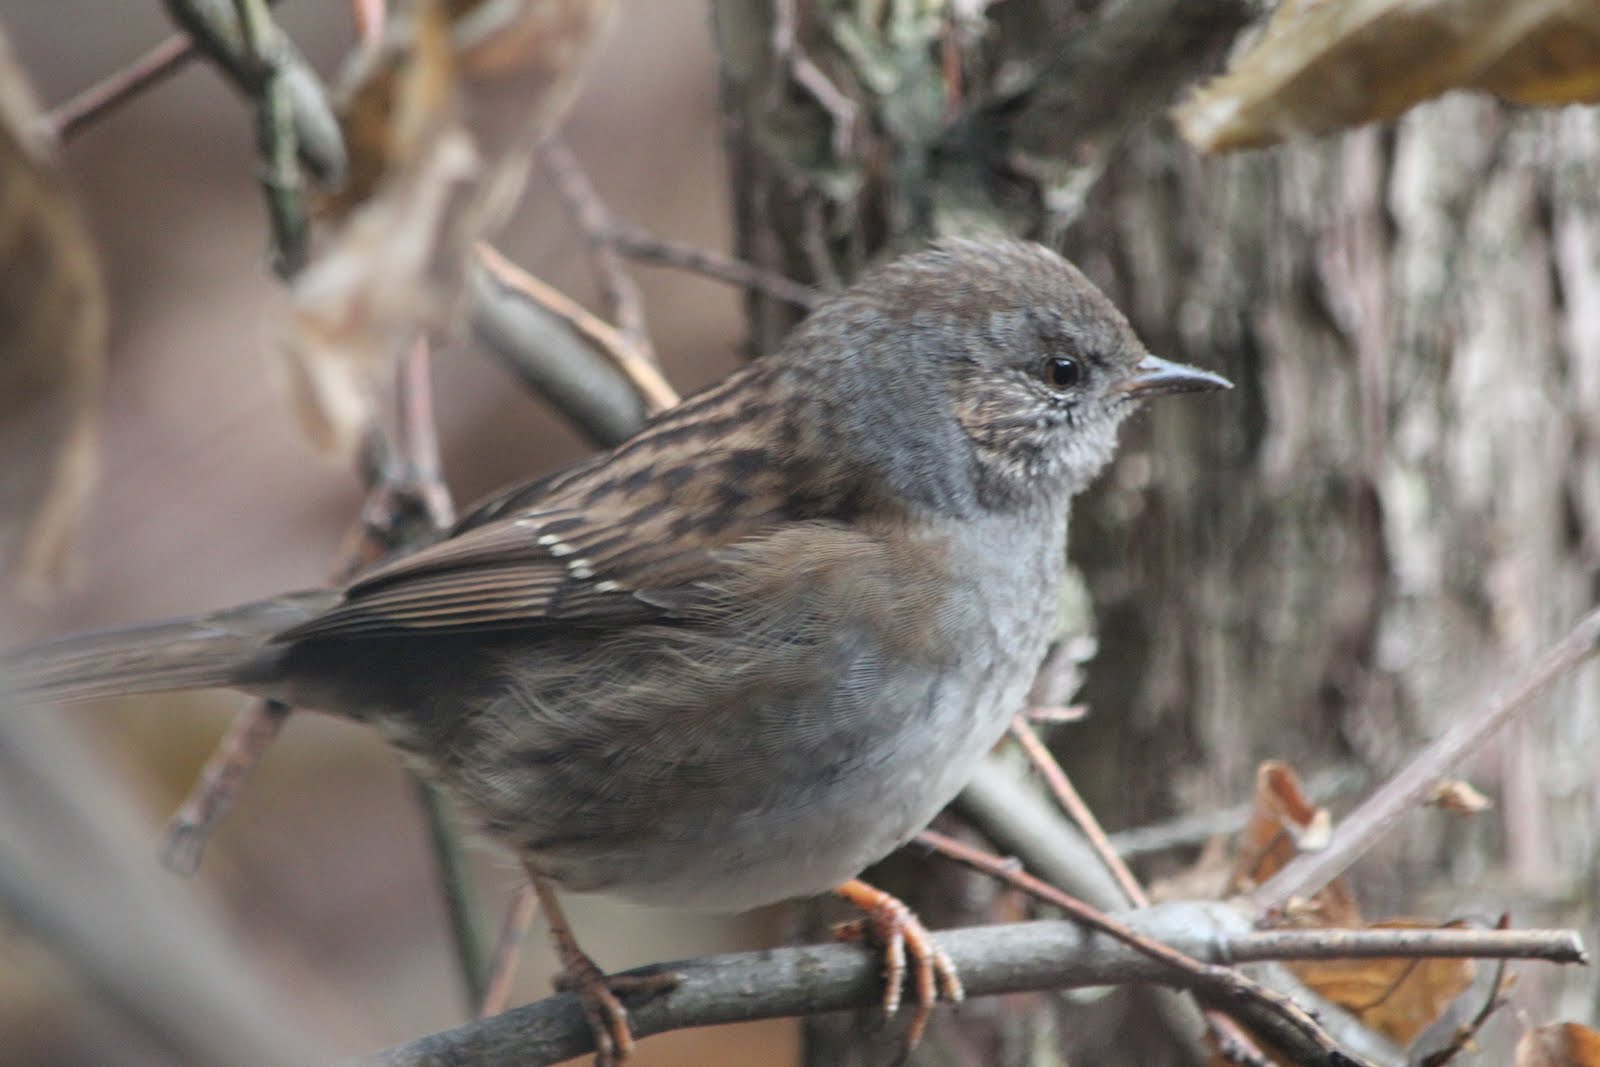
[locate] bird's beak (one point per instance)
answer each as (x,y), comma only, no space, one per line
(1153,376)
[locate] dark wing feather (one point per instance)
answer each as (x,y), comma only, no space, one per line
(504,574)
(624,537)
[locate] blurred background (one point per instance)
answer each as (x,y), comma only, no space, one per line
(1400,502)
(210,495)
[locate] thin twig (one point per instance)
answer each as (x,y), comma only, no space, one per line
(1285,1022)
(1062,789)
(638,243)
(110,92)
(1412,785)
(776,983)
(507,949)
(646,377)
(418,434)
(1235,1046)
(222,778)
(841,108)
(411,483)
(369,17)
(1451,942)
(406,501)
(623,302)
(1467,1034)
(1056,716)
(1195,828)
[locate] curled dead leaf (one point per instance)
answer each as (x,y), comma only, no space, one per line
(435,159)
(1397,997)
(1283,823)
(1323,65)
(1559,1045)
(1459,798)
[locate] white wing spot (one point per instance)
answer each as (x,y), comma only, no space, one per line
(607,586)
(579,568)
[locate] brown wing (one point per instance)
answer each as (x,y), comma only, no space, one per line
(607,543)
(538,567)
(626,536)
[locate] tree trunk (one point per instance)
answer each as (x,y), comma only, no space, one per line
(1399,502)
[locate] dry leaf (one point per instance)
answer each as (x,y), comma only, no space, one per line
(52,336)
(1283,823)
(1459,798)
(1397,997)
(387,270)
(432,166)
(1559,1045)
(1323,65)
(394,104)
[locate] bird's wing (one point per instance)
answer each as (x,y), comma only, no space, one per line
(606,543)
(532,569)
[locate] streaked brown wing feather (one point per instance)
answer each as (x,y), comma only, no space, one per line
(624,537)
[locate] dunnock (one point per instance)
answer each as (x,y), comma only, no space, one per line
(755,647)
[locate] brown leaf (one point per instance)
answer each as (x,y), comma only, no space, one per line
(1283,823)
(1559,1045)
(389,269)
(1323,65)
(440,121)
(394,103)
(1397,997)
(1459,798)
(53,313)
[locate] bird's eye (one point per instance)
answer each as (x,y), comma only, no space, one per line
(1061,372)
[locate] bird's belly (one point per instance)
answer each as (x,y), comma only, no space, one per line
(801,815)
(825,824)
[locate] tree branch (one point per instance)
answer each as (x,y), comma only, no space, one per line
(1051,954)
(162,61)
(215,30)
(1365,826)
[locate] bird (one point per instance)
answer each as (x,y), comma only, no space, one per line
(751,649)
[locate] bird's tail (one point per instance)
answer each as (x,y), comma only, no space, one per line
(232,647)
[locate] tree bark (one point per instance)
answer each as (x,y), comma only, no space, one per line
(1400,500)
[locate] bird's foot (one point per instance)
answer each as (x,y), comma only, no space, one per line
(601,996)
(896,928)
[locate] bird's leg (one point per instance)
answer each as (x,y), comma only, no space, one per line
(602,1007)
(893,925)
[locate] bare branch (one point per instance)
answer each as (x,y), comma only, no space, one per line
(215,31)
(221,779)
(1011,958)
(549,356)
(1412,785)
(657,393)
(640,244)
(507,949)
(623,302)
(1272,1014)
(1066,796)
(101,98)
